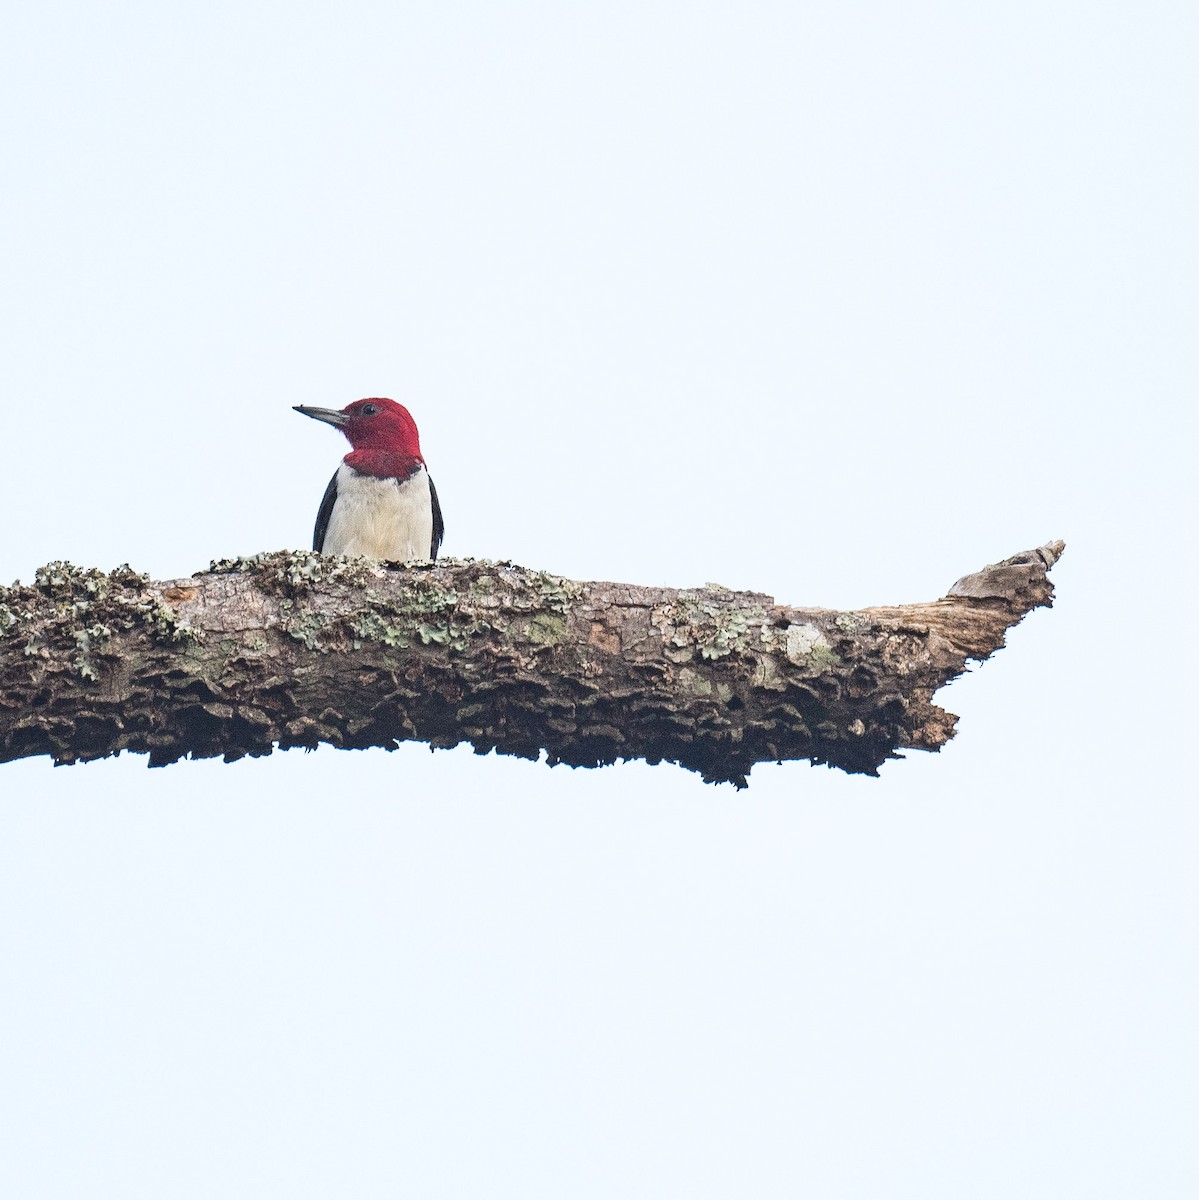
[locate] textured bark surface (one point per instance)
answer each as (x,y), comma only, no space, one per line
(294,649)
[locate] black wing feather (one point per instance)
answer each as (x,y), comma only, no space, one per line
(323,515)
(438,523)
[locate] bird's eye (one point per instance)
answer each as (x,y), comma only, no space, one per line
(369,410)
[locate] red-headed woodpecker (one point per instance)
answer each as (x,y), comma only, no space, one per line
(381,502)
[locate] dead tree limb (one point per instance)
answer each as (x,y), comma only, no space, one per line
(293,649)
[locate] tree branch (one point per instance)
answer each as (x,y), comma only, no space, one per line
(294,649)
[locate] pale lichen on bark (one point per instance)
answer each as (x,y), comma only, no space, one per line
(296,649)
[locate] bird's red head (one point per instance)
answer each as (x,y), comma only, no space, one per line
(383,435)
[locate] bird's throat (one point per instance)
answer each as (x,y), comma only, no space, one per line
(383,464)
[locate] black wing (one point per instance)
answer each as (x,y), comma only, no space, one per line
(438,523)
(326,511)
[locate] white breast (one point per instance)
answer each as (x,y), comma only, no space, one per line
(381,518)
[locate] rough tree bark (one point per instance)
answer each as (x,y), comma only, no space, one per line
(294,649)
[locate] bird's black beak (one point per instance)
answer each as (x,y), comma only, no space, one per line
(329,415)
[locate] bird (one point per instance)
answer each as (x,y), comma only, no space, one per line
(380,502)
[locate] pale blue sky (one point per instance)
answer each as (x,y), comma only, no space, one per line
(833,301)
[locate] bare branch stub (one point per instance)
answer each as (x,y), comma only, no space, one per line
(295,649)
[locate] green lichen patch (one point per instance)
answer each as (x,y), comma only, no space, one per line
(81,610)
(692,681)
(423,612)
(311,629)
(405,604)
(11,614)
(554,592)
(807,647)
(545,629)
(292,573)
(63,581)
(710,627)
(240,565)
(87,642)
(164,622)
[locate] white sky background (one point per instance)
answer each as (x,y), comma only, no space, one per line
(833,301)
